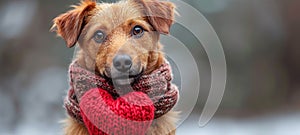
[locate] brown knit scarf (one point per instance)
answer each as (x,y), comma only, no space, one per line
(157,85)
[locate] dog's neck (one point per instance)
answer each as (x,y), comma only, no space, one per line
(157,85)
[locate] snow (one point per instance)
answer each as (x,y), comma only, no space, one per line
(276,124)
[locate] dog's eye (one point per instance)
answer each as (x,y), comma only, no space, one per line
(99,36)
(137,31)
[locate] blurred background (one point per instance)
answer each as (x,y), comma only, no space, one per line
(261,44)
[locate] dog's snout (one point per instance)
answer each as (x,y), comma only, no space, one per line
(122,62)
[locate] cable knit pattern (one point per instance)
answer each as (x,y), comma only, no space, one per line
(156,85)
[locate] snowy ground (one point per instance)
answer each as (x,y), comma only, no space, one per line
(269,125)
(279,124)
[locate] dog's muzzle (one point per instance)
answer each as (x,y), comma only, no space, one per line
(123,72)
(122,63)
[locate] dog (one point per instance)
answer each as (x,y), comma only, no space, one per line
(118,39)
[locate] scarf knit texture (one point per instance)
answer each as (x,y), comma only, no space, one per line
(156,86)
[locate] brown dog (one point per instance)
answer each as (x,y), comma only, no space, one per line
(118,37)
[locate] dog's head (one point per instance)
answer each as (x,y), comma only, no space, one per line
(118,40)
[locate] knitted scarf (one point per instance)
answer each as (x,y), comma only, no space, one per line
(157,85)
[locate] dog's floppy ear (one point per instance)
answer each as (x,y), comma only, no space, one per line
(160,14)
(70,24)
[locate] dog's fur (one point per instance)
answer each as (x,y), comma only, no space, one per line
(117,21)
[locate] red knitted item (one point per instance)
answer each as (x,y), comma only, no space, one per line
(131,114)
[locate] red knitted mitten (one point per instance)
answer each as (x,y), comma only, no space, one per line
(131,114)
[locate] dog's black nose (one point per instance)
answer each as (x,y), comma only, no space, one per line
(122,62)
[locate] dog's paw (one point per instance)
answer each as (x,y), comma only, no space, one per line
(127,115)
